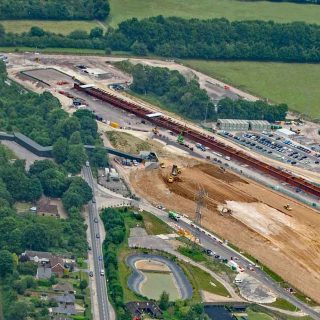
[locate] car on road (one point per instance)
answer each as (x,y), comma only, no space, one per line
(97,235)
(90,274)
(89,247)
(102,273)
(93,200)
(209,252)
(100,258)
(217,256)
(95,220)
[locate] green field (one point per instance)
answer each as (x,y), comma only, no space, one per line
(204,9)
(258,316)
(291,83)
(63,27)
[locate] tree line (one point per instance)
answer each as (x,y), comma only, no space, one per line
(54,9)
(187,98)
(194,38)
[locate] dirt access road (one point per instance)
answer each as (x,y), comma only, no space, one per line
(288,242)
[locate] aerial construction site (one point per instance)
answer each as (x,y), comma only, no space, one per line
(277,230)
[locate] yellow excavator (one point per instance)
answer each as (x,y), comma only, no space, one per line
(175,171)
(288,207)
(162,165)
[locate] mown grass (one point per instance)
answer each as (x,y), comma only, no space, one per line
(62,27)
(291,83)
(205,9)
(202,280)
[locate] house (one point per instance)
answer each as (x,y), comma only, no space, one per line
(48,263)
(44,208)
(66,304)
(64,287)
(144,307)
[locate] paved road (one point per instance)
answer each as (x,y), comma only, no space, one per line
(227,252)
(103,303)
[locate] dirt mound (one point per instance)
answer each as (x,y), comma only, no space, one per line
(215,172)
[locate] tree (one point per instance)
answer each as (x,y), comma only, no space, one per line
(139,48)
(164,301)
(35,237)
(76,158)
(79,34)
(37,32)
(19,310)
(6,263)
(96,32)
(60,150)
(75,138)
(83,284)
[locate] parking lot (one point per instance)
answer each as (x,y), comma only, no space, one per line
(275,146)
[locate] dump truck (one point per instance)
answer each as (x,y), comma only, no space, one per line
(173,215)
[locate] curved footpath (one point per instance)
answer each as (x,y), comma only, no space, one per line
(137,277)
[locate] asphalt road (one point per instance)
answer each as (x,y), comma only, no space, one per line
(104,306)
(223,250)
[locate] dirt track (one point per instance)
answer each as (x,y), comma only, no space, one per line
(286,241)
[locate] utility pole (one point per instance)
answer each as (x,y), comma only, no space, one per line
(200,201)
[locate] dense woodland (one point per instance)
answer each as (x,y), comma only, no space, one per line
(41,118)
(181,38)
(187,98)
(221,39)
(54,9)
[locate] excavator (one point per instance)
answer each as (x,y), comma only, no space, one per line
(175,171)
(288,207)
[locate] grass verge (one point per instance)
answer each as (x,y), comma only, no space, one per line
(292,83)
(189,252)
(154,225)
(284,304)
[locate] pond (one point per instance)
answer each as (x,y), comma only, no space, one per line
(155,283)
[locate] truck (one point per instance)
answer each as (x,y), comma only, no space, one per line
(173,215)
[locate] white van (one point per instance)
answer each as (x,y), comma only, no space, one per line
(102,272)
(238,281)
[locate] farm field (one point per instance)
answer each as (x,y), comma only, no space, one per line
(205,9)
(291,83)
(63,27)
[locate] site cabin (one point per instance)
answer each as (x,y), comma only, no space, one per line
(173,215)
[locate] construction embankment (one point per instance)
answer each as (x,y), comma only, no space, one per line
(288,242)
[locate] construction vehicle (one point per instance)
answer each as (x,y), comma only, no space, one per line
(180,138)
(155,130)
(175,170)
(288,207)
(162,165)
(173,215)
(170,178)
(225,211)
(222,169)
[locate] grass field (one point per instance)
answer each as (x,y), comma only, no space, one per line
(284,304)
(204,9)
(291,83)
(64,27)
